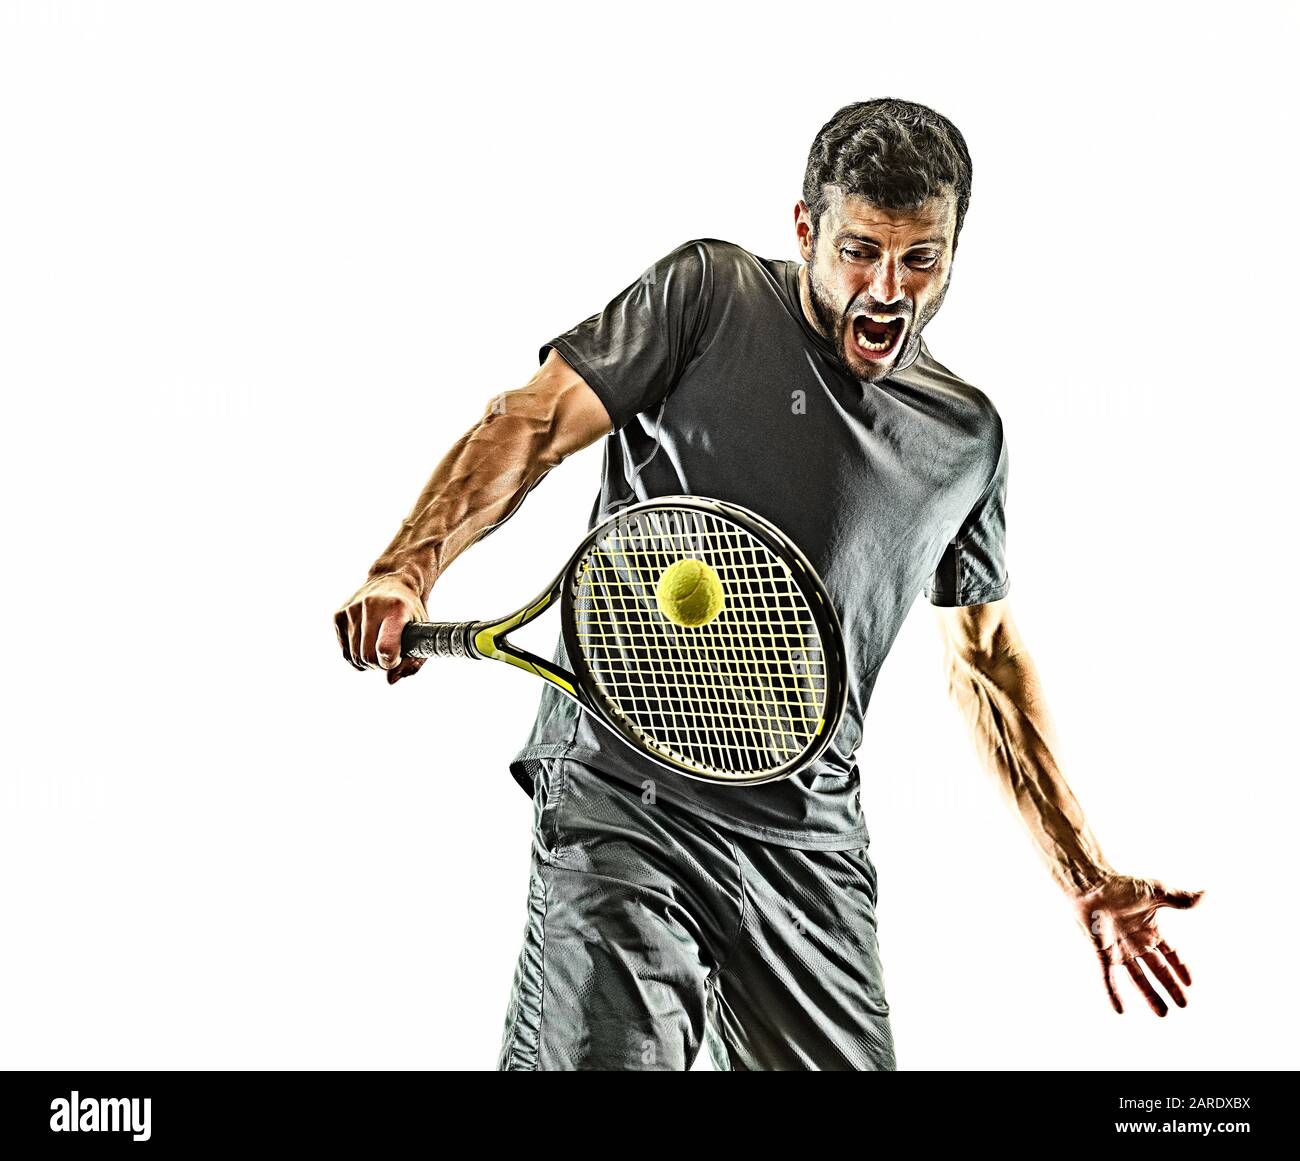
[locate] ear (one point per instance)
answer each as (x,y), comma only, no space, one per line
(803,229)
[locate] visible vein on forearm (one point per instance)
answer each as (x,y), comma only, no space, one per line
(476,487)
(1003,706)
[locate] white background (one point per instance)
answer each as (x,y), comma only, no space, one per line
(260,264)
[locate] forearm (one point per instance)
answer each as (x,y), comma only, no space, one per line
(999,693)
(482,480)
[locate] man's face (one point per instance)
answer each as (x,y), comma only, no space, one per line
(875,277)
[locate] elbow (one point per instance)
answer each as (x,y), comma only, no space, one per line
(979,639)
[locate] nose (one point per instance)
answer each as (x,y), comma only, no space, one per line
(886,284)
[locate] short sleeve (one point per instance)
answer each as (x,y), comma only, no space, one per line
(633,352)
(973,568)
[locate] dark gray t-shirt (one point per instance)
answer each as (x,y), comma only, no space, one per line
(718,386)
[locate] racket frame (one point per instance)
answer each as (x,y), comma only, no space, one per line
(806,579)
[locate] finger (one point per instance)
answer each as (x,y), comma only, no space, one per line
(1158,1006)
(1108,978)
(344,635)
(1174,962)
(354,635)
(388,641)
(407,667)
(1179,899)
(370,622)
(1158,968)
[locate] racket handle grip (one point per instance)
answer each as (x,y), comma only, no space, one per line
(439,639)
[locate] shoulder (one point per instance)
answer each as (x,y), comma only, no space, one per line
(967,405)
(705,272)
(715,250)
(727,274)
(713,258)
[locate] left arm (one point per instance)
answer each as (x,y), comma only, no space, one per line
(995,684)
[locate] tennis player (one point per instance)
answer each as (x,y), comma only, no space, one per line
(663,912)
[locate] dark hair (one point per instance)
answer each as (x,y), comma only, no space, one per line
(897,154)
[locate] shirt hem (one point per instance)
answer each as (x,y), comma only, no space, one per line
(812,840)
(978,597)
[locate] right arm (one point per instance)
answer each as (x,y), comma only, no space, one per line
(478,485)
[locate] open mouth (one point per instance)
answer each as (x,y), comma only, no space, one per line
(876,335)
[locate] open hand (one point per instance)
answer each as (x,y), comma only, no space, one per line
(1120,917)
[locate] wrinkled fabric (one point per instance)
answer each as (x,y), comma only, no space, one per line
(717,386)
(651,932)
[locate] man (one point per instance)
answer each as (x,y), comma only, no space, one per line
(665,911)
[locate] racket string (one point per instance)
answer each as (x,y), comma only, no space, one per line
(743,694)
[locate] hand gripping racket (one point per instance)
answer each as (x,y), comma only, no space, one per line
(752,695)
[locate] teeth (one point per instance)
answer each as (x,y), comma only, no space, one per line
(866,346)
(876,348)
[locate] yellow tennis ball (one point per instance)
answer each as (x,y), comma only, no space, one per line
(690,593)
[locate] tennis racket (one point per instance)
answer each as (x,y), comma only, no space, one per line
(753,695)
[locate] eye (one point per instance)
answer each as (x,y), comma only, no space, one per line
(923,261)
(853,254)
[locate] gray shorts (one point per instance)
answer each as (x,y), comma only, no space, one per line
(650,930)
